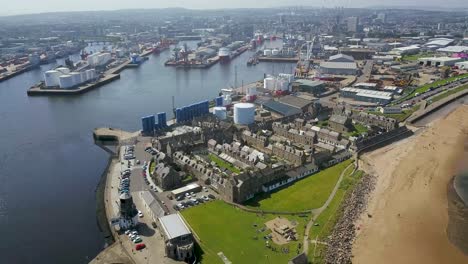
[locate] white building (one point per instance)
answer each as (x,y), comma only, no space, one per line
(353,24)
(439,61)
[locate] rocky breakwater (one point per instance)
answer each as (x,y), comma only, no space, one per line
(341,240)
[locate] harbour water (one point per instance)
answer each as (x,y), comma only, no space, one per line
(50,167)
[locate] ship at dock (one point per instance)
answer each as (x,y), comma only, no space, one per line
(232,50)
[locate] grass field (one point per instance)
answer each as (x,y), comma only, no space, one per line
(329,217)
(225,228)
(447,93)
(224,164)
(308,193)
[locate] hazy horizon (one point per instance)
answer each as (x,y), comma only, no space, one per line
(21,7)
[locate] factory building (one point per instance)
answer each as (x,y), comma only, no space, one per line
(366,95)
(413,49)
(358,53)
(177,237)
(438,61)
(341,58)
(313,87)
(449,50)
(338,68)
(436,43)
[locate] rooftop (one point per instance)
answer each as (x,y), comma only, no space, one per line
(295,101)
(174,226)
(338,65)
(281,108)
(454,49)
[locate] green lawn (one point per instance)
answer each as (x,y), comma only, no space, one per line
(188,178)
(357,130)
(225,228)
(308,193)
(447,93)
(329,217)
(224,164)
(415,57)
(399,117)
(152,166)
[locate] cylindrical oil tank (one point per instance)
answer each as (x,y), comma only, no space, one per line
(282,85)
(269,83)
(251,91)
(66,81)
(63,70)
(90,74)
(275,52)
(220,112)
(267,52)
(84,77)
(227,100)
(244,113)
(51,78)
(76,76)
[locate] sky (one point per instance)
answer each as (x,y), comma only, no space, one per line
(14,7)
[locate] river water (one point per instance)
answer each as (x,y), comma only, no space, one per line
(50,167)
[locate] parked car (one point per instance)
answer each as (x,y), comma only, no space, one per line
(140,246)
(140,214)
(211,196)
(137,240)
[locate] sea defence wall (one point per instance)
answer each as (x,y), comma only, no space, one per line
(437,105)
(383,139)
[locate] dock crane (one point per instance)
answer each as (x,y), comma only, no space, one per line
(302,69)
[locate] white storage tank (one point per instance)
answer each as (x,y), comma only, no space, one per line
(251,91)
(220,112)
(227,100)
(51,78)
(244,113)
(76,76)
(287,76)
(275,52)
(63,70)
(90,74)
(269,83)
(84,78)
(267,52)
(282,85)
(66,81)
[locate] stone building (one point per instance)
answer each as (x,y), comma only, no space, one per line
(178,239)
(375,120)
(340,123)
(332,138)
(166,177)
(307,137)
(254,140)
(295,156)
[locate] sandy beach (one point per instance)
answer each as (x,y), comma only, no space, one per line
(407,216)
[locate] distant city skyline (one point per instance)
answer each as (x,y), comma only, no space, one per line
(29,7)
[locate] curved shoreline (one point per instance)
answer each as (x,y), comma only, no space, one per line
(101,215)
(457,228)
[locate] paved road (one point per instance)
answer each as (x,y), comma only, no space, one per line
(366,72)
(316,212)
